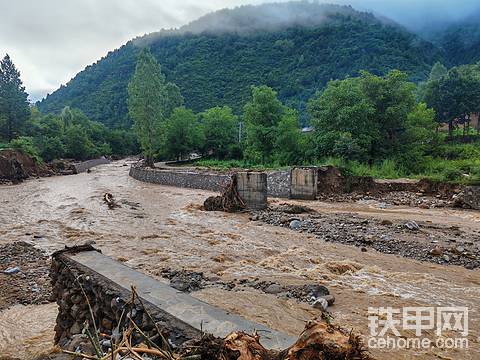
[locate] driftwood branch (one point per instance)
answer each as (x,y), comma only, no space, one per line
(229,200)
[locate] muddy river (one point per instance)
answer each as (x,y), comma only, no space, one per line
(158,227)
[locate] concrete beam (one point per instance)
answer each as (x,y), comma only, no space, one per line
(192,315)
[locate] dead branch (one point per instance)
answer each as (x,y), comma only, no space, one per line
(229,200)
(110,201)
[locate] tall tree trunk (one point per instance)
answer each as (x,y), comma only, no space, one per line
(450,129)
(9,130)
(149,161)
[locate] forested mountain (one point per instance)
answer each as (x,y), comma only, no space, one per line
(460,41)
(295,48)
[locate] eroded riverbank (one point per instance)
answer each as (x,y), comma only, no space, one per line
(160,227)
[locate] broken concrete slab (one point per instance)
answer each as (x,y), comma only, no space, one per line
(252,188)
(188,316)
(303,183)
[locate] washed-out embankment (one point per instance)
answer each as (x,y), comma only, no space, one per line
(325,183)
(16,166)
(96,295)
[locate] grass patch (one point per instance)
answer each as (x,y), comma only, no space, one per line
(452,162)
(234,164)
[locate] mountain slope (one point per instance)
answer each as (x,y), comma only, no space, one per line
(295,48)
(461,41)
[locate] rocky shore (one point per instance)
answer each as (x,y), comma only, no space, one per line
(422,241)
(23,275)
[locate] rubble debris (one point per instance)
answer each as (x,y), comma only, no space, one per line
(23,275)
(12,270)
(183,280)
(321,304)
(294,209)
(384,236)
(229,200)
(190,281)
(412,225)
(320,340)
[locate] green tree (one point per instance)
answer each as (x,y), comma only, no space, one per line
(262,115)
(363,118)
(455,96)
(289,148)
(220,128)
(419,140)
(67,116)
(26,145)
(438,71)
(77,144)
(14,107)
(343,120)
(183,134)
(150,101)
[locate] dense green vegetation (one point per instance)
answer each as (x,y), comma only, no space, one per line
(368,125)
(460,41)
(215,65)
(69,134)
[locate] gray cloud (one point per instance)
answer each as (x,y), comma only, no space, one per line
(51,40)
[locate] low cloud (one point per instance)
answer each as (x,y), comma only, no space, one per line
(51,40)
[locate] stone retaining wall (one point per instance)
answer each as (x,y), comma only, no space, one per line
(73,283)
(83,273)
(278,182)
(181,178)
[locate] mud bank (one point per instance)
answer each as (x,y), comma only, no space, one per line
(16,166)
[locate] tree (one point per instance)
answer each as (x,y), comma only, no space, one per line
(77,143)
(393,98)
(438,71)
(67,116)
(220,128)
(183,134)
(419,139)
(150,102)
(362,118)
(456,95)
(14,107)
(342,113)
(288,143)
(262,115)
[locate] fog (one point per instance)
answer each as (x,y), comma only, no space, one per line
(51,40)
(419,14)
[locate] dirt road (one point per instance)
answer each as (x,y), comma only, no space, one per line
(160,227)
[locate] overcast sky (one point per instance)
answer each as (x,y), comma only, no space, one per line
(51,40)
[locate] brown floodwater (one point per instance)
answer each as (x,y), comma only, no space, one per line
(158,227)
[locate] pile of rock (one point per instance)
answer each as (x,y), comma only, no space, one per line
(407,238)
(23,275)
